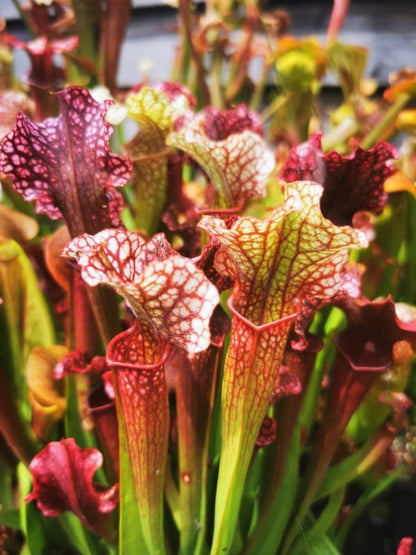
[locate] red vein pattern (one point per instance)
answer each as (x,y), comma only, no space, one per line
(277,264)
(63,481)
(143,412)
(351,183)
(238,166)
(65,165)
(253,359)
(166,291)
(292,255)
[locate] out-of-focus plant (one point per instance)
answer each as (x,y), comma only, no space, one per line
(217,341)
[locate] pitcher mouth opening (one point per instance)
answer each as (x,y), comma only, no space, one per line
(361,367)
(261,327)
(163,348)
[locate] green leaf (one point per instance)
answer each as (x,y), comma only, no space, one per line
(348,62)
(342,473)
(10,518)
(24,315)
(299,63)
(316,533)
(25,321)
(323,547)
(6,487)
(369,494)
(269,533)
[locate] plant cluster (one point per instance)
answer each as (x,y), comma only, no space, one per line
(207,324)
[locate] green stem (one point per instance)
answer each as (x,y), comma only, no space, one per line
(356,464)
(274,106)
(346,391)
(16,433)
(217,97)
(260,86)
(311,397)
(182,69)
(87,19)
(146,428)
(368,495)
(407,286)
(389,117)
(172,495)
(195,387)
(105,308)
(326,327)
(322,524)
(185,14)
(339,134)
(237,72)
(269,532)
(287,411)
(200,544)
(76,394)
(131,536)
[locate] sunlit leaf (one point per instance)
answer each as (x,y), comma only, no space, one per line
(159,105)
(155,110)
(17,226)
(348,63)
(299,64)
(45,394)
(24,315)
